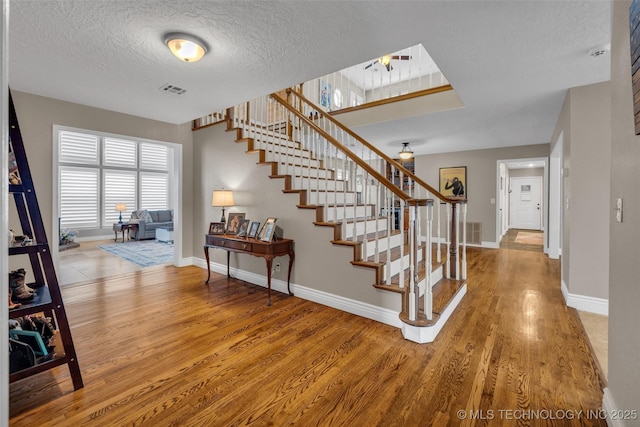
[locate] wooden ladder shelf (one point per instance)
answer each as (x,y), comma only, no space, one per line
(48,299)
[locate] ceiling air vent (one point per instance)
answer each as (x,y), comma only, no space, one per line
(173,89)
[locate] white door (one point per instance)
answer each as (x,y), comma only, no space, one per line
(526,202)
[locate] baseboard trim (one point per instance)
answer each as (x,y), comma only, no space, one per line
(359,308)
(424,335)
(583,302)
(609,407)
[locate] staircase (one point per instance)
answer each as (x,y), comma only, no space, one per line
(349,183)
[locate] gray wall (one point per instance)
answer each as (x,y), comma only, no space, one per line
(624,292)
(526,172)
(319,265)
(481,178)
(586,122)
(37,115)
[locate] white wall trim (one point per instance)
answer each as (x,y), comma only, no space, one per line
(359,308)
(609,407)
(423,335)
(584,302)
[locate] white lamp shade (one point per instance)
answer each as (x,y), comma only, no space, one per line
(222,198)
(121,207)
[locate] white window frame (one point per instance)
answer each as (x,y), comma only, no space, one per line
(104,221)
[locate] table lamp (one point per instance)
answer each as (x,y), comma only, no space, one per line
(222,199)
(121,207)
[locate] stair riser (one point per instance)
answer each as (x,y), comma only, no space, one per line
(284,169)
(339,198)
(360,228)
(383,243)
(291,157)
(317,184)
(398,264)
(339,213)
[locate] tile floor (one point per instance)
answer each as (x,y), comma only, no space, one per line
(88,262)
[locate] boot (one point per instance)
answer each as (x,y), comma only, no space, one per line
(12,305)
(21,292)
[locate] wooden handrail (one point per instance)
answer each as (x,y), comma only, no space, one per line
(364,165)
(378,152)
(399,98)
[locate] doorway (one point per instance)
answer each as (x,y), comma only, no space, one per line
(506,171)
(526,203)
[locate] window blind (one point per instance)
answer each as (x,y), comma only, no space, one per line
(154,190)
(79,148)
(118,187)
(118,152)
(154,156)
(78,197)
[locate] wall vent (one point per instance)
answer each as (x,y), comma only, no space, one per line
(173,89)
(474,233)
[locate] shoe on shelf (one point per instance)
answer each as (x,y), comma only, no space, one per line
(12,305)
(21,292)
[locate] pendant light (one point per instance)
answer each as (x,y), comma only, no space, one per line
(406,152)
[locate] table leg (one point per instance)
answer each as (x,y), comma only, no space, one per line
(228,257)
(292,256)
(123,235)
(206,255)
(115,239)
(269,262)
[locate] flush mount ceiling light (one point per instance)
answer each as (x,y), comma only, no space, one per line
(186,47)
(406,152)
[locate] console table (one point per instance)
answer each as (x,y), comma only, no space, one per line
(258,248)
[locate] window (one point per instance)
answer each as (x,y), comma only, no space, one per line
(96,172)
(78,197)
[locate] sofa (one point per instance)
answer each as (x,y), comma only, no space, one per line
(149,221)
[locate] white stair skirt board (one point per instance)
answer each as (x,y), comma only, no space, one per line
(423,335)
(584,303)
(379,314)
(609,409)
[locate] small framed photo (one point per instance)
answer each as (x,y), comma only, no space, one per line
(244,227)
(233,223)
(268,232)
(253,230)
(216,228)
(265,226)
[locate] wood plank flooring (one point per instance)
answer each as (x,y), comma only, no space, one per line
(161,348)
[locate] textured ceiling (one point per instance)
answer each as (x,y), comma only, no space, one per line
(511,62)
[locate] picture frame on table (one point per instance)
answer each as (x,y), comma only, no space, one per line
(216,228)
(270,223)
(253,230)
(453,182)
(244,228)
(234,221)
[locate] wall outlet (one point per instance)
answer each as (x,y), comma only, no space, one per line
(277,266)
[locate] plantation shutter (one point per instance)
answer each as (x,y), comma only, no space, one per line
(79,148)
(118,152)
(154,156)
(119,187)
(78,197)
(154,190)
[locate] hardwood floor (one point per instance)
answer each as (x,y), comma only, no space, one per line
(161,348)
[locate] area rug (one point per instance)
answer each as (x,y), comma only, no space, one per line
(527,238)
(143,253)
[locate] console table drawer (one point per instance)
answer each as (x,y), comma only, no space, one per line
(230,244)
